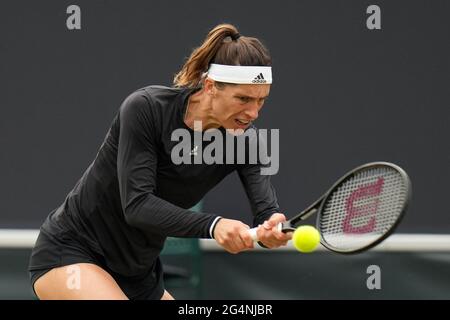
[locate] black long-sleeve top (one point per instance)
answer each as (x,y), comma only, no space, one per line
(132,196)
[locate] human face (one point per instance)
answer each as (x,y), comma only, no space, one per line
(237,106)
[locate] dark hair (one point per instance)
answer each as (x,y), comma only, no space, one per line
(223,45)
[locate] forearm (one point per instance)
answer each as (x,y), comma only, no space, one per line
(156,215)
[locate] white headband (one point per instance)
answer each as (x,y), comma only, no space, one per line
(240,74)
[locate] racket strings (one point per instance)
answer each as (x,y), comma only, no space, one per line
(363,208)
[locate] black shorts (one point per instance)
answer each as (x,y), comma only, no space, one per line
(64,249)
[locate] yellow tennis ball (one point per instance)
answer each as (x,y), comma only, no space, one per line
(306,238)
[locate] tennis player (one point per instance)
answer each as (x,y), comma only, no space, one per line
(105,239)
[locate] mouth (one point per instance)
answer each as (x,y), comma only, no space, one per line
(242,123)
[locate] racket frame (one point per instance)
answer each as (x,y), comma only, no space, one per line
(318,207)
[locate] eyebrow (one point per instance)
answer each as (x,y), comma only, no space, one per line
(247,96)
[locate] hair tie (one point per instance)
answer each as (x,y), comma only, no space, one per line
(236,36)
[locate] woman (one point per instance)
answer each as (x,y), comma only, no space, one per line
(104,241)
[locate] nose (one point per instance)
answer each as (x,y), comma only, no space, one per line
(252,111)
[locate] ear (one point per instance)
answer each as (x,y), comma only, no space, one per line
(209,86)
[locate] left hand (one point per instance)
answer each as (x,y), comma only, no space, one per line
(268,232)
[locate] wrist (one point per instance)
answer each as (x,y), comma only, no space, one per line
(212,228)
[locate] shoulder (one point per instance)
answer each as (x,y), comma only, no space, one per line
(162,94)
(152,106)
(153,99)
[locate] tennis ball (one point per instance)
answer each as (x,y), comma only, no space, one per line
(306,238)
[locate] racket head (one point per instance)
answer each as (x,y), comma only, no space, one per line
(363,207)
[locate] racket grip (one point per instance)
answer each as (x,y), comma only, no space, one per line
(254,236)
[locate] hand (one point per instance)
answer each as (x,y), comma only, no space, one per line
(269,235)
(233,235)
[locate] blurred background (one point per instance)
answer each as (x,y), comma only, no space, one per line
(343,95)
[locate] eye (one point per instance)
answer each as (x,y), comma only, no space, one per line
(244,99)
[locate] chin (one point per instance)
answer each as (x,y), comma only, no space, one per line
(235,130)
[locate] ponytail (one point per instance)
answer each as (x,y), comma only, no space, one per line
(223,45)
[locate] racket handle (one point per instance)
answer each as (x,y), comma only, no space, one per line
(254,236)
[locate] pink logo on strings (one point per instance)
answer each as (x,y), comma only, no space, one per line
(370,209)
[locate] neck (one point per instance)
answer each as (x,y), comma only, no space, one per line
(199,108)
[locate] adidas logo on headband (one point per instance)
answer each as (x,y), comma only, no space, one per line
(259,79)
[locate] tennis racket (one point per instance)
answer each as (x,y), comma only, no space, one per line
(360,210)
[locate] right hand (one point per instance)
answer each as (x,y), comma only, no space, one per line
(233,235)
(269,235)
